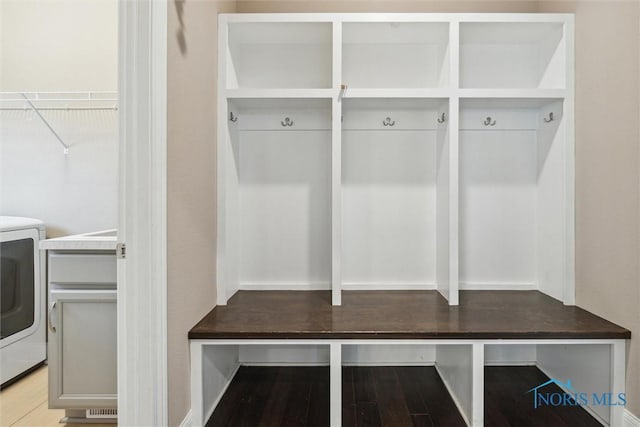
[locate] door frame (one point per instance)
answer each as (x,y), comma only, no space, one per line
(142,214)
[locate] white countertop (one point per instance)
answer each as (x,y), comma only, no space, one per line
(10,223)
(97,241)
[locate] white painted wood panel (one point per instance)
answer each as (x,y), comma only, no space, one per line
(496,195)
(512,55)
(336,169)
(218,367)
(280,55)
(502,355)
(551,237)
(395,54)
(285,208)
(460,363)
(375,355)
(455,366)
(497,203)
(389,207)
(390,355)
(588,367)
(443,215)
(278,355)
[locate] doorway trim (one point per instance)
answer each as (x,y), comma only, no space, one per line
(142,216)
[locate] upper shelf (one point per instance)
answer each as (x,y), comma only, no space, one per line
(457,52)
(395,54)
(279,55)
(512,55)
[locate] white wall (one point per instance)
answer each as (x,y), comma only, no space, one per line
(71,193)
(59,45)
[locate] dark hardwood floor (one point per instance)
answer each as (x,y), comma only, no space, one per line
(507,403)
(384,396)
(401,315)
(372,396)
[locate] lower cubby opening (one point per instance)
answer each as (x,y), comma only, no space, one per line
(275,396)
(508,401)
(559,384)
(396,396)
(371,395)
(442,382)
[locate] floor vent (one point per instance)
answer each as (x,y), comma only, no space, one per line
(102,413)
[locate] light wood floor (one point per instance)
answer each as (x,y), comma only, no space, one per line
(25,404)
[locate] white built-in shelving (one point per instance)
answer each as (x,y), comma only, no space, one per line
(396,151)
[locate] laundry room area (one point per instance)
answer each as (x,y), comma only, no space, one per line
(58,211)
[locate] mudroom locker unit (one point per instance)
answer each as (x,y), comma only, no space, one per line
(396,190)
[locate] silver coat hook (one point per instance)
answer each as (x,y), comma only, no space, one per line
(550,119)
(287,122)
(489,122)
(388,122)
(442,118)
(232,117)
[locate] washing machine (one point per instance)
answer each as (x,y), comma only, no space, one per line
(23,345)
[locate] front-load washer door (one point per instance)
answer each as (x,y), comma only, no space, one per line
(20,285)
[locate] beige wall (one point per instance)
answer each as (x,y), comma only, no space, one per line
(607,152)
(249,6)
(192,68)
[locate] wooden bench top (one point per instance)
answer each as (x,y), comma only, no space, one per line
(401,315)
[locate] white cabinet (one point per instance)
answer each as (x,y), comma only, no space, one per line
(396,151)
(82,349)
(82,319)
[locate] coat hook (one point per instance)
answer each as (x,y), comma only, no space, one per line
(388,122)
(232,117)
(287,122)
(550,119)
(442,118)
(489,122)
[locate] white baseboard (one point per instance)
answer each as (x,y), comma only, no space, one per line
(347,286)
(391,286)
(630,420)
(187,421)
(270,286)
(498,286)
